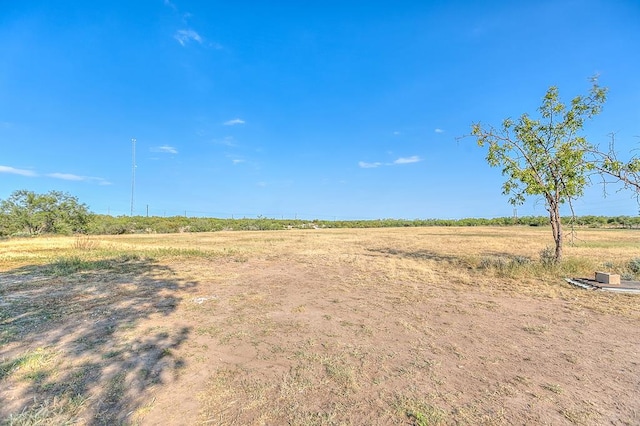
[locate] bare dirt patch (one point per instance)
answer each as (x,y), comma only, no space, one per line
(404,326)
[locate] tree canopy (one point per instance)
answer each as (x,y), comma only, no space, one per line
(610,166)
(54,212)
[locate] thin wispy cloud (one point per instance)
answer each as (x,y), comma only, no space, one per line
(63,176)
(398,162)
(226,141)
(185,36)
(164,149)
(78,178)
(235,159)
(366,165)
(407,160)
(397,133)
(14,171)
(234,122)
(439,131)
(66,176)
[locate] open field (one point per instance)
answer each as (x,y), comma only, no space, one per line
(372,326)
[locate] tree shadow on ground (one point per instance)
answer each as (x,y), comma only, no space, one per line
(74,346)
(489,257)
(417,254)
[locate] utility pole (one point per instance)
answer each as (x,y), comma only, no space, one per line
(133,170)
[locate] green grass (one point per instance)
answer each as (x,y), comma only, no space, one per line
(71,265)
(32,365)
(420,413)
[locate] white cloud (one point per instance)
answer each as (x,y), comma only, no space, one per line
(399,161)
(184,36)
(165,149)
(237,161)
(67,176)
(396,133)
(365,165)
(439,131)
(14,171)
(78,178)
(262,184)
(226,141)
(63,176)
(169,4)
(407,160)
(234,122)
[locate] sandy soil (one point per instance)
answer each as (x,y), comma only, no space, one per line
(338,330)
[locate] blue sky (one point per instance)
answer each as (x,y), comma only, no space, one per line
(329,110)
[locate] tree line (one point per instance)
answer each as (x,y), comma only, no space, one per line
(26,213)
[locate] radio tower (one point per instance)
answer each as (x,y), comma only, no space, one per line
(133,170)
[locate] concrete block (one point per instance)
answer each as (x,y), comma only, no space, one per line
(607,278)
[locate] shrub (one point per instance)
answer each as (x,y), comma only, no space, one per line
(548,256)
(634,265)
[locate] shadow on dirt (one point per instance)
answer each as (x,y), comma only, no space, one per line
(486,259)
(418,255)
(73,346)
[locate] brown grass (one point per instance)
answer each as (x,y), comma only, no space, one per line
(383,326)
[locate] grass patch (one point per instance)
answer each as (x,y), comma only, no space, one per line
(535,329)
(557,389)
(53,411)
(74,264)
(506,265)
(33,365)
(420,413)
(85,242)
(71,265)
(189,253)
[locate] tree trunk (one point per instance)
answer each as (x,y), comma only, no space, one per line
(556,228)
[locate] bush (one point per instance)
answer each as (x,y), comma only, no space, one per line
(51,213)
(634,265)
(548,256)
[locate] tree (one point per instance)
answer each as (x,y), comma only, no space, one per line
(53,212)
(545,157)
(608,165)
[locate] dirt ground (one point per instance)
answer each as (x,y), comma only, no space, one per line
(408,326)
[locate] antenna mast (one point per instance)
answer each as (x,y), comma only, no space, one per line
(133,170)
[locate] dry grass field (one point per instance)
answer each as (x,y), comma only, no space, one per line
(420,326)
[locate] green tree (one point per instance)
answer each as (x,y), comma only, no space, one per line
(546,156)
(609,165)
(53,212)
